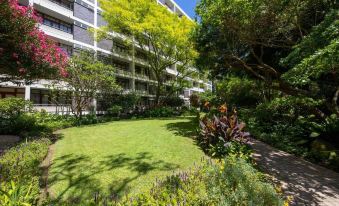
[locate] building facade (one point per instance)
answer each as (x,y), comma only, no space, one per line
(68,24)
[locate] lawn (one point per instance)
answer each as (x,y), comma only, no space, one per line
(120,157)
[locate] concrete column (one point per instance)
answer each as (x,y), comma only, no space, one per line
(132,68)
(94,104)
(95,23)
(27,93)
(132,79)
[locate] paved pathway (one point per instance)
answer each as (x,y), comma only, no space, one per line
(308,183)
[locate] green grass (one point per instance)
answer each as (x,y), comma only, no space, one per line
(120,157)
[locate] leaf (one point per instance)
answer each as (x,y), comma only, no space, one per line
(314,134)
(222,139)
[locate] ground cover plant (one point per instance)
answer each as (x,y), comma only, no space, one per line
(231,181)
(20,172)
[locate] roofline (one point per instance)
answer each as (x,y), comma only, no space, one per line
(175,3)
(180,9)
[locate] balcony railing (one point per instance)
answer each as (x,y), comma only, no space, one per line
(64,3)
(56,109)
(141,92)
(123,73)
(142,76)
(121,51)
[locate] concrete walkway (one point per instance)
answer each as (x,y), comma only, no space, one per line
(309,184)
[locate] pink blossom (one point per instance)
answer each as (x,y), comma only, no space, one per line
(32,42)
(22,70)
(15,56)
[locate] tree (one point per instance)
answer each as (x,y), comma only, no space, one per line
(87,79)
(26,53)
(314,63)
(252,38)
(162,35)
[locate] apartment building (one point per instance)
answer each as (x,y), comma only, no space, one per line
(67,23)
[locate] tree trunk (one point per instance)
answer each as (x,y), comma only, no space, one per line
(158,93)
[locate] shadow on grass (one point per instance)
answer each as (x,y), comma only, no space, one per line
(136,120)
(185,129)
(80,175)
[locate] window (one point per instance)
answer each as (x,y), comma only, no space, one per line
(40,97)
(120,48)
(66,48)
(124,83)
(56,23)
(64,3)
(120,65)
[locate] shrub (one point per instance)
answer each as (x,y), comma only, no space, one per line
(185,111)
(52,122)
(161,112)
(173,101)
(195,100)
(11,194)
(128,101)
(291,124)
(114,110)
(14,118)
(235,182)
(21,165)
(87,120)
(231,182)
(239,91)
(219,134)
(185,188)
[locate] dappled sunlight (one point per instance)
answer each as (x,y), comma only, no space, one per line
(86,183)
(186,128)
(305,181)
(120,157)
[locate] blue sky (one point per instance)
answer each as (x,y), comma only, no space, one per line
(188,6)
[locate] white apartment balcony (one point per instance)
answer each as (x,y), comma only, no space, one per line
(141,61)
(127,91)
(56,33)
(197,89)
(123,73)
(141,92)
(171,71)
(141,77)
(56,7)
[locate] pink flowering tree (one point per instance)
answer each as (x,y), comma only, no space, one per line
(26,53)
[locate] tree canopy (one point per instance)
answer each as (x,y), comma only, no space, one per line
(162,35)
(26,53)
(291,46)
(87,79)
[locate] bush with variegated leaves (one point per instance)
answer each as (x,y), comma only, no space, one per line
(222,132)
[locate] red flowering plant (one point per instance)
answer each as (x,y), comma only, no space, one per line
(26,53)
(222,133)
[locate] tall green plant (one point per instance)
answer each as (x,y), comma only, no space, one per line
(218,134)
(87,79)
(162,35)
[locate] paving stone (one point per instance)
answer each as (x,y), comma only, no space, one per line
(309,184)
